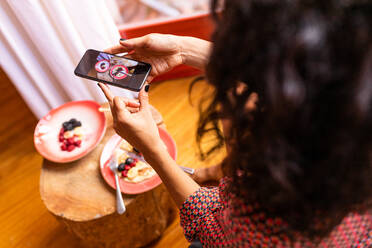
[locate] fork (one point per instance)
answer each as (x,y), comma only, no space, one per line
(120,207)
(188,170)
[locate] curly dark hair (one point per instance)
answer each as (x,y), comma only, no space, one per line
(305,152)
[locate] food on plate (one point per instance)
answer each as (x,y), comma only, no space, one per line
(131,165)
(70,135)
(129,148)
(140,172)
(117,68)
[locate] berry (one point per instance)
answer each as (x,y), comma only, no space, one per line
(63,147)
(121,167)
(129,160)
(132,165)
(74,123)
(77,124)
(70,141)
(77,143)
(127,167)
(67,126)
(135,160)
(124,173)
(70,148)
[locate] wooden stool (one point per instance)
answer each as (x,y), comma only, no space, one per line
(77,195)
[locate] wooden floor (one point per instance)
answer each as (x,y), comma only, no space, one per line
(24,220)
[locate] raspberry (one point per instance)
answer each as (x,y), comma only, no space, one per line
(124,173)
(71,141)
(132,165)
(63,147)
(127,167)
(69,144)
(70,148)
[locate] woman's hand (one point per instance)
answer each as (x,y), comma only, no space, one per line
(140,130)
(162,51)
(133,121)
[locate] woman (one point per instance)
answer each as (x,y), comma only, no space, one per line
(293,91)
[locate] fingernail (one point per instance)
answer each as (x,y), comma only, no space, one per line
(147,87)
(122,39)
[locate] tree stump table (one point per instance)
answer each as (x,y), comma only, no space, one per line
(77,195)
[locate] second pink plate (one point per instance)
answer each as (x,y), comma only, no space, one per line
(128,187)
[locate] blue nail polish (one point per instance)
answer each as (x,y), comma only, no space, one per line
(122,39)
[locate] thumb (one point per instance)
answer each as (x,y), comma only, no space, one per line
(144,97)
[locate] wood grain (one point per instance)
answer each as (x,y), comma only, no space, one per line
(24,220)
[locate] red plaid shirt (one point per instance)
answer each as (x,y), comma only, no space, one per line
(207,215)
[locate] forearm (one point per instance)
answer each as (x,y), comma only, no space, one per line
(195,52)
(179,185)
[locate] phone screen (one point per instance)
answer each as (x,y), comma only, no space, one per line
(111,69)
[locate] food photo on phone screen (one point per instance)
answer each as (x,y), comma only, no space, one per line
(108,68)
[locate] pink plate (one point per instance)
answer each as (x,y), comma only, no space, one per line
(47,130)
(128,187)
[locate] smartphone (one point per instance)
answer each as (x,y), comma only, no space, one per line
(111,69)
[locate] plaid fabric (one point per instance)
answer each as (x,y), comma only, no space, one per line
(208,215)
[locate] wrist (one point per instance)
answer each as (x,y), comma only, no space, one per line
(194,52)
(184,49)
(155,153)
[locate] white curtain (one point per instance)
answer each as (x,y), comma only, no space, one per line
(43,40)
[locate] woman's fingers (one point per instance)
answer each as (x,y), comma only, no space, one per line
(125,101)
(120,108)
(132,110)
(127,45)
(131,103)
(149,79)
(117,49)
(107,92)
(144,97)
(134,43)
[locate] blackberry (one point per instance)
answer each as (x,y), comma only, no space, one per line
(121,167)
(77,124)
(128,161)
(67,126)
(71,124)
